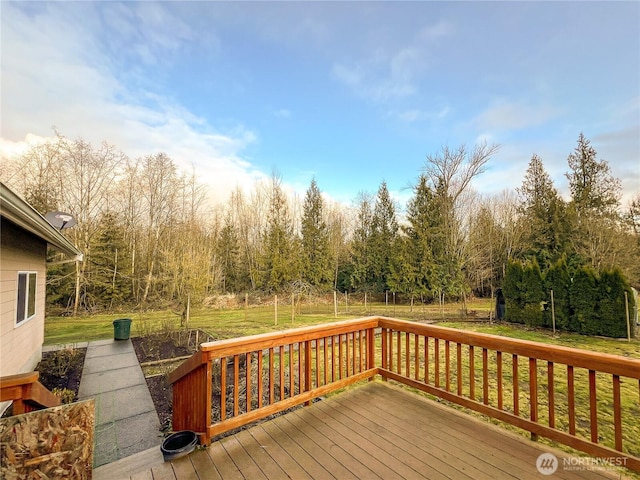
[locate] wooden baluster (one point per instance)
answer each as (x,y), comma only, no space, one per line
(390,348)
(407,355)
(617,413)
(308,381)
(247,369)
(261,379)
(593,406)
(426,360)
(292,361)
(354,357)
(485,376)
(571,396)
(416,353)
(340,356)
(459,367)
(347,346)
(362,334)
(371,349)
(223,388)
(281,362)
(317,372)
(236,387)
(399,352)
(551,388)
(333,359)
(384,353)
(324,358)
(300,368)
(533,393)
(271,376)
(516,386)
(499,380)
(472,373)
(436,361)
(447,365)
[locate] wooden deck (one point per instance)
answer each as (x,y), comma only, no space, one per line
(374,431)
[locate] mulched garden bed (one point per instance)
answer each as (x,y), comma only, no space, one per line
(163,346)
(62,370)
(152,348)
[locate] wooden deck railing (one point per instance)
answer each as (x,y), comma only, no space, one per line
(538,387)
(26,392)
(249,378)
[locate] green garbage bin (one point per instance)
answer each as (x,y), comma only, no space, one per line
(121,329)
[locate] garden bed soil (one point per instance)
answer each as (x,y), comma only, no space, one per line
(152,348)
(62,369)
(160,347)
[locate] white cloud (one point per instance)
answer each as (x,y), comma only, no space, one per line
(55,73)
(417,115)
(504,115)
(391,73)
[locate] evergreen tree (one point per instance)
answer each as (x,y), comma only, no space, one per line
(228,252)
(316,265)
(595,200)
(383,237)
(592,187)
(278,262)
(420,232)
(543,214)
(362,272)
(109,274)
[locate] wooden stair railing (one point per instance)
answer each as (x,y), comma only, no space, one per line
(26,392)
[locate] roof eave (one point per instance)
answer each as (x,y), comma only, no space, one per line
(18,211)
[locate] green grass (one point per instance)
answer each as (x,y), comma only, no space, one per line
(237,322)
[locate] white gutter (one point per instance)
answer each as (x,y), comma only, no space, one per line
(18,211)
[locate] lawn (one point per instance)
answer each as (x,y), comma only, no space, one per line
(229,323)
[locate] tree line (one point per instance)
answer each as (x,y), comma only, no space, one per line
(151,238)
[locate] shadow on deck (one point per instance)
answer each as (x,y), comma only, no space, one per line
(375,430)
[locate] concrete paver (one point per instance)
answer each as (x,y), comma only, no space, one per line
(126,419)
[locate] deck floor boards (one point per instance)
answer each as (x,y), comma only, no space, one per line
(374,431)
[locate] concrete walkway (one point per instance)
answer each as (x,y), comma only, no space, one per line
(126,419)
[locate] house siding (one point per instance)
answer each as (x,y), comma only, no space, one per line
(20,345)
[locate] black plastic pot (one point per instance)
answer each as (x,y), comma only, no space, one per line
(178,445)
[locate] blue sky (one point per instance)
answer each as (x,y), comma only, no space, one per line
(351,93)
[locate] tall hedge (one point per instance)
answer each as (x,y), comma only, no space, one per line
(586,302)
(583,299)
(611,307)
(558,279)
(512,291)
(533,294)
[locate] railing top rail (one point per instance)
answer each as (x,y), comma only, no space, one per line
(600,362)
(19,379)
(232,346)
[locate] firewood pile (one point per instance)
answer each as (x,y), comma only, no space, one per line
(55,443)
